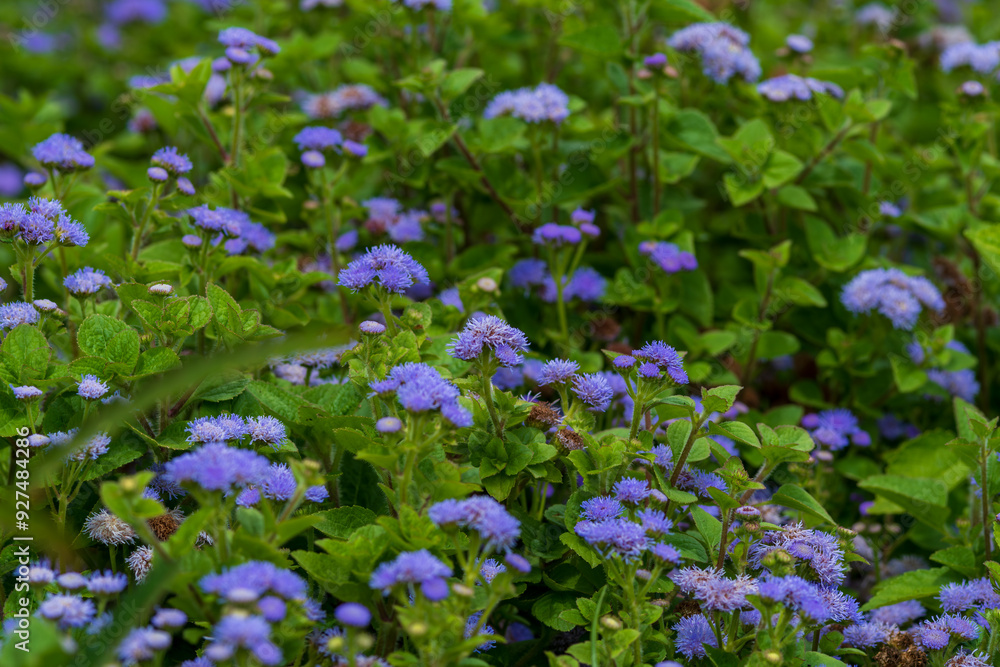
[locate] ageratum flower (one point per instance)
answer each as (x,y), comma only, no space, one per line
(141,644)
(91,387)
(410,567)
(216,467)
(86,281)
(557,371)
(68,611)
(318,139)
(69,232)
(490,569)
(619,538)
(172,160)
(552,234)
(819,551)
(420,388)
(894,294)
(791,86)
(473,622)
(490,336)
(834,429)
(668,256)
(169,618)
(351,97)
(963,659)
(898,614)
(594,390)
(93,449)
(799,43)
(384,266)
(977,594)
(666,359)
(877,15)
(236,631)
(259,578)
(106,583)
(26,392)
(220,219)
(981,58)
(631,491)
(723,49)
(693,635)
(545,102)
(486,516)
(63,153)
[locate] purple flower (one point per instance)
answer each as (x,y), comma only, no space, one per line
(411,567)
(62,153)
(594,390)
(385,266)
(486,516)
(172,160)
(666,358)
(353,614)
(898,614)
(352,97)
(69,611)
(723,50)
(490,335)
(86,281)
(867,635)
(893,293)
(976,594)
(236,631)
(420,388)
(972,89)
(601,508)
(266,429)
(558,371)
(669,257)
(388,425)
(556,235)
(106,583)
(693,634)
(799,43)
(791,86)
(216,467)
(91,387)
(169,618)
(981,58)
(631,491)
(543,103)
(655,60)
(528,273)
(69,232)
(318,139)
(490,569)
(257,577)
(654,522)
(26,392)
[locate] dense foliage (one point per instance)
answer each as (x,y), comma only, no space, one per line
(514,333)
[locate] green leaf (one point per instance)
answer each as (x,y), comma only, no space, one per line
(742,190)
(709,527)
(599,40)
(110,339)
(738,431)
(907,376)
(458,81)
(156,360)
(797,498)
(831,252)
(774,344)
(719,399)
(925,499)
(914,585)
(341,522)
(25,355)
(550,606)
(682,11)
(781,168)
(796,197)
(961,559)
(986,241)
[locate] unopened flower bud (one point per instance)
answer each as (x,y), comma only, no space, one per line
(462,590)
(487,284)
(611,623)
(417,629)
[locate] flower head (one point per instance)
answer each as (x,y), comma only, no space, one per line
(86,281)
(420,388)
(172,160)
(63,153)
(492,336)
(216,467)
(543,103)
(384,266)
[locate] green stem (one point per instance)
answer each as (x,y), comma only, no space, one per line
(488,399)
(656,150)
